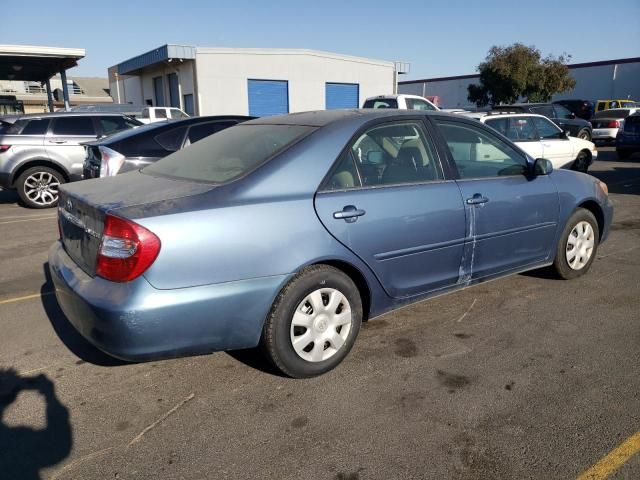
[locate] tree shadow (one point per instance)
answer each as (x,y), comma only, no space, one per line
(67,332)
(24,451)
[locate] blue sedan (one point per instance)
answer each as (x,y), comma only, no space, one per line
(290,231)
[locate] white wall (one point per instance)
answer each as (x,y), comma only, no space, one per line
(222,76)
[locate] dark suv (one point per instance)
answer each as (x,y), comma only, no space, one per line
(39,152)
(582,108)
(562,117)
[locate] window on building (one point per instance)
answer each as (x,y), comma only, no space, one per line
(158,91)
(188,104)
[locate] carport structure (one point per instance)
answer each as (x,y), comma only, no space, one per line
(39,64)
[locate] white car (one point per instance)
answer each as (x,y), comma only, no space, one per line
(541,138)
(400,101)
(607,123)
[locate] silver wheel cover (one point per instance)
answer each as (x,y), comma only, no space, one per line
(580,245)
(320,325)
(41,188)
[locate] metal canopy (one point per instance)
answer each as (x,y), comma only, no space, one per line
(29,63)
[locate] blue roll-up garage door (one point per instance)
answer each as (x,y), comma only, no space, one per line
(268,97)
(341,95)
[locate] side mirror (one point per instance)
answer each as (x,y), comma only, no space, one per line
(542,166)
(572,116)
(566,134)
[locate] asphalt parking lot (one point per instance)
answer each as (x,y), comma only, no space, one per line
(524,377)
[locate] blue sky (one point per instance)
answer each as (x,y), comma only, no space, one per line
(438,38)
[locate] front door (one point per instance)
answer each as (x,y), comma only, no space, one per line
(511,216)
(65,139)
(388,202)
(555,144)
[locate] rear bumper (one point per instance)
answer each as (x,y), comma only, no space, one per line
(134,321)
(604,134)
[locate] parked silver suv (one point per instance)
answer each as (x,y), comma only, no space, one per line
(39,152)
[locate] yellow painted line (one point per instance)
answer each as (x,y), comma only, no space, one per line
(614,459)
(29,220)
(26,297)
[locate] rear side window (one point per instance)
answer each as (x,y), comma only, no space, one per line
(381,103)
(172,140)
(29,127)
(203,130)
(73,126)
(229,154)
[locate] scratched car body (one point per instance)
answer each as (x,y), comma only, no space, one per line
(289,231)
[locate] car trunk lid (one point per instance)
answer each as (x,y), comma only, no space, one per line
(83,206)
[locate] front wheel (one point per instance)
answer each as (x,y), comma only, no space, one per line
(578,245)
(313,323)
(38,187)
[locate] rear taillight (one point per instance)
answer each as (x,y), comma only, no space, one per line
(126,251)
(613,124)
(4,148)
(111,162)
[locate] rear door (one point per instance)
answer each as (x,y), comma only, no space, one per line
(388,201)
(65,139)
(511,216)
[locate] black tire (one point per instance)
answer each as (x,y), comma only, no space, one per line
(50,181)
(623,154)
(561,264)
(584,134)
(277,333)
(582,161)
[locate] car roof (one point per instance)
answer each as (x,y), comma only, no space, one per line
(487,115)
(321,118)
(169,124)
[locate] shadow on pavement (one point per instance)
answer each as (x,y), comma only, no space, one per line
(24,451)
(67,332)
(254,358)
(624,180)
(9,196)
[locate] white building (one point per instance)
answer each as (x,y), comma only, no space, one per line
(608,79)
(247,81)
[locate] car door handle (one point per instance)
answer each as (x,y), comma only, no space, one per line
(57,141)
(349,213)
(477,199)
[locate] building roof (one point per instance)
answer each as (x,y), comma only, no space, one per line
(26,62)
(169,52)
(601,63)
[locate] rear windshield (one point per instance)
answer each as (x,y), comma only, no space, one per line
(381,103)
(228,154)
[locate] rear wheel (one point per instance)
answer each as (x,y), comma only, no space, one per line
(313,323)
(584,134)
(578,245)
(38,187)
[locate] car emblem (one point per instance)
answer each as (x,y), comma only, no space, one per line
(69,205)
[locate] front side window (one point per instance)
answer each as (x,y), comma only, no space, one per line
(228,154)
(397,153)
(161,113)
(516,129)
(547,130)
(479,154)
(74,126)
(176,113)
(418,104)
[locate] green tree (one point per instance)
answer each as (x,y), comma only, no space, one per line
(509,73)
